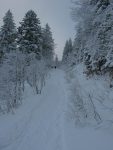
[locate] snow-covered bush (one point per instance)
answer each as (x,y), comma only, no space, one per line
(36,73)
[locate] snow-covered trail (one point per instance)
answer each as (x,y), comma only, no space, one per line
(43,128)
(43,131)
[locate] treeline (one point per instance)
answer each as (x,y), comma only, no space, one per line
(26,53)
(93,43)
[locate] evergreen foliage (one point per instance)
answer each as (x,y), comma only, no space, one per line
(48,43)
(8,34)
(29,34)
(67,51)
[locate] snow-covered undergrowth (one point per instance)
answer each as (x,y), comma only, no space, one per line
(14,73)
(91,99)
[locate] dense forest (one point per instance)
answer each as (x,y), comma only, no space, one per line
(26,53)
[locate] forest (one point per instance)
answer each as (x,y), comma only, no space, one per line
(94,37)
(26,53)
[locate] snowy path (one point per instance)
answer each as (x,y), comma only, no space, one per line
(40,124)
(43,124)
(43,131)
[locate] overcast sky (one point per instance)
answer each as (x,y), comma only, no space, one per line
(54,12)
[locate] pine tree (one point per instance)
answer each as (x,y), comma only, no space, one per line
(48,43)
(8,34)
(11,78)
(29,34)
(70,46)
(56,61)
(67,51)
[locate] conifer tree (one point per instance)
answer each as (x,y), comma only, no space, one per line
(67,51)
(56,61)
(30,37)
(70,46)
(8,34)
(48,43)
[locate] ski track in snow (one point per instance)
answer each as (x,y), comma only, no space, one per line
(40,123)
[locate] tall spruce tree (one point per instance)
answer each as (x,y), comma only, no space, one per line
(67,51)
(48,43)
(70,46)
(8,34)
(10,79)
(56,61)
(29,34)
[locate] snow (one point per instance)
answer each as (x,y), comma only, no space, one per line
(87,139)
(96,130)
(95,88)
(36,124)
(42,122)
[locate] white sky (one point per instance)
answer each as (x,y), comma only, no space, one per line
(54,12)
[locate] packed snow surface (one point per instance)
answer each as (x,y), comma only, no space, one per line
(41,123)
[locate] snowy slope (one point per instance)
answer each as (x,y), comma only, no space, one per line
(42,122)
(95,93)
(93,120)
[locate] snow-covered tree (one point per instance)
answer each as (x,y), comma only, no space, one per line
(23,58)
(70,46)
(11,82)
(36,73)
(10,79)
(67,51)
(93,32)
(29,34)
(8,34)
(48,43)
(56,61)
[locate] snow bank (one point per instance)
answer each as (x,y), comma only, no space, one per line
(12,126)
(89,117)
(86,139)
(95,94)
